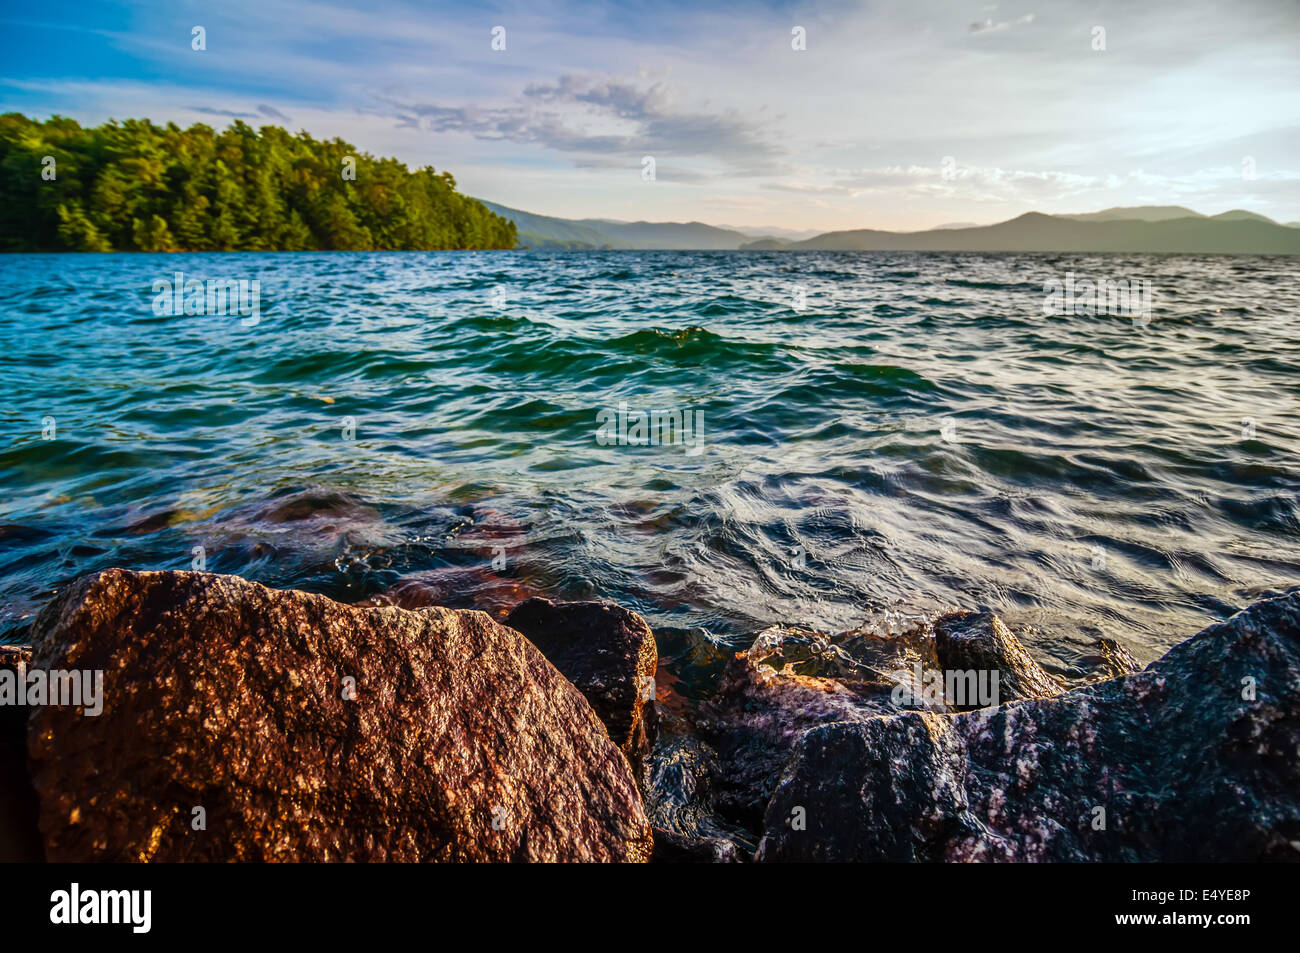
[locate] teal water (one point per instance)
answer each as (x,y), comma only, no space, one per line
(920,435)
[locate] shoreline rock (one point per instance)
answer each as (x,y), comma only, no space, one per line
(1191,759)
(981,642)
(761,712)
(469,740)
(609,653)
(459,741)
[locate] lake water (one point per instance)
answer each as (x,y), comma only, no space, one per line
(876,433)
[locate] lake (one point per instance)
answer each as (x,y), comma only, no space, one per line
(718,440)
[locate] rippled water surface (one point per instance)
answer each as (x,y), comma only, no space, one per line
(919,436)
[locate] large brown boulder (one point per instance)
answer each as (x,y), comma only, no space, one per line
(609,653)
(310,730)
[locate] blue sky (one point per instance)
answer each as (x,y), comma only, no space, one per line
(1193,104)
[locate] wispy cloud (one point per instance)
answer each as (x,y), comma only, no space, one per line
(599,120)
(270,112)
(988,25)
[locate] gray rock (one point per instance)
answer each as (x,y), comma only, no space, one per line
(1196,758)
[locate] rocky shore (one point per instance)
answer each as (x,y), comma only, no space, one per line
(239,722)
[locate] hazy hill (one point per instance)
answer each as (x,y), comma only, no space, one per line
(1035,231)
(1160,213)
(668,235)
(543,231)
(786,234)
(1145,213)
(1241,215)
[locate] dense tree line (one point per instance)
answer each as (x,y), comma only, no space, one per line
(139,186)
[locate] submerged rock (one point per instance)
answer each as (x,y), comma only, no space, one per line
(609,653)
(1192,759)
(454,587)
(244,723)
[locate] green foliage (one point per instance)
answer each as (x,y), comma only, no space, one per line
(137,186)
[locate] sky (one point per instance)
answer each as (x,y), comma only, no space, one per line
(899,115)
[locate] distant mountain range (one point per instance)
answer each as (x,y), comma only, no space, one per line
(1147,228)
(792,234)
(1231,233)
(543,231)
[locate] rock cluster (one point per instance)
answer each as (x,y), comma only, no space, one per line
(1192,759)
(244,723)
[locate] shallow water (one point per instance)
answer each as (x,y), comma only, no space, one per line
(920,435)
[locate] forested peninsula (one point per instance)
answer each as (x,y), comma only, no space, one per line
(139,186)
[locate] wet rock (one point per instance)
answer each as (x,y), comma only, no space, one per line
(682,777)
(1109,659)
(456,741)
(1192,759)
(19,837)
(790,680)
(609,653)
(760,712)
(881,790)
(674,848)
(979,642)
(681,782)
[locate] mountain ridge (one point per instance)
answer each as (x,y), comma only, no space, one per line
(1147,228)
(1037,231)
